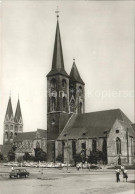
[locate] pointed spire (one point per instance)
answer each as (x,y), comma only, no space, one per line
(18,114)
(57,62)
(74,74)
(9,112)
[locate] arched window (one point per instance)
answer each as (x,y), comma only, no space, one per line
(11,135)
(64,103)
(53,84)
(118,145)
(6,135)
(104,146)
(80,107)
(63,83)
(73,148)
(72,106)
(94,145)
(80,90)
(53,102)
(37,145)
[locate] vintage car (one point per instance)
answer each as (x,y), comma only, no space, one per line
(19,173)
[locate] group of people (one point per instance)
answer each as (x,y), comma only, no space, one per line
(124,172)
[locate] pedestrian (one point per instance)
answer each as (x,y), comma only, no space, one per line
(118,175)
(125,176)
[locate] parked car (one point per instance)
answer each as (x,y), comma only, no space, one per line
(19,173)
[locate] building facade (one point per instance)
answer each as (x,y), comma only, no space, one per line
(70,130)
(12,124)
(27,142)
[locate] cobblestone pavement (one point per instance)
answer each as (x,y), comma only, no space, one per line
(55,181)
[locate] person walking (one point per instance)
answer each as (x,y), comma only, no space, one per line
(118,175)
(125,175)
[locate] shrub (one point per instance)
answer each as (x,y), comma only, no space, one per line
(59,158)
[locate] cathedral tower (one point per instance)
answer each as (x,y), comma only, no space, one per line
(8,124)
(76,91)
(57,96)
(18,119)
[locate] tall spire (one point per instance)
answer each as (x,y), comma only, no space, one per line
(9,112)
(57,61)
(74,74)
(18,114)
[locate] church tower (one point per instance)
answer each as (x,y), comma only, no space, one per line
(57,96)
(76,91)
(8,125)
(18,119)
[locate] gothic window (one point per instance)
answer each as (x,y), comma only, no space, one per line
(53,84)
(80,90)
(83,152)
(94,145)
(37,145)
(11,127)
(72,106)
(80,107)
(6,135)
(63,83)
(63,147)
(11,135)
(104,147)
(64,103)
(118,145)
(53,102)
(73,148)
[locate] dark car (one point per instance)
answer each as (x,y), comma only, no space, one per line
(19,173)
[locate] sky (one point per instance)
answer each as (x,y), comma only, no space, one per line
(98,34)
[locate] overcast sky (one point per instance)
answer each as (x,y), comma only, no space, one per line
(100,35)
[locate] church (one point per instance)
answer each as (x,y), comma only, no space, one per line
(70,130)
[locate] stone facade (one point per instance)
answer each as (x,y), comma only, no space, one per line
(29,141)
(126,154)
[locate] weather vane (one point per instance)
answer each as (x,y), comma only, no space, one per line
(57,12)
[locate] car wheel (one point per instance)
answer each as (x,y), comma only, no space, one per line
(18,176)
